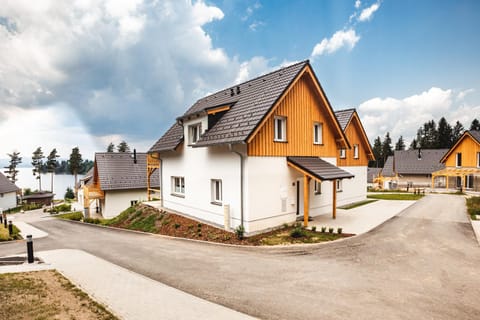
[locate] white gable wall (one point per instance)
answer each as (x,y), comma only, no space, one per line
(355,189)
(117,201)
(8,200)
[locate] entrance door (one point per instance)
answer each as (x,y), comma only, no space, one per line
(300,197)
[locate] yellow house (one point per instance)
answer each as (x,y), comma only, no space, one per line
(462,163)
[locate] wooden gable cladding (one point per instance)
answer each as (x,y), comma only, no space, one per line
(468,147)
(356,136)
(302,106)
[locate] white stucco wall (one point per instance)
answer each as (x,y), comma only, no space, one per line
(118,200)
(8,200)
(355,189)
(199,166)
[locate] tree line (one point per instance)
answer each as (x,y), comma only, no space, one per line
(429,136)
(41,164)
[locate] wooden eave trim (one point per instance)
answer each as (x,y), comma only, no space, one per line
(449,152)
(275,105)
(306,173)
(363,134)
(218,109)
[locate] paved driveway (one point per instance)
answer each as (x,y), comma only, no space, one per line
(422,264)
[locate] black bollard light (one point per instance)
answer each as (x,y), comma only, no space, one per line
(29,248)
(5,221)
(10,227)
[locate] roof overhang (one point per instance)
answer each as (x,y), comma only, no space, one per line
(317,168)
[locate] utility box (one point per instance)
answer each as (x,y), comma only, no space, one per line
(226,216)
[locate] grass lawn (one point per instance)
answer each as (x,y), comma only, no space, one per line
(357,204)
(4,236)
(473,207)
(46,295)
(396,196)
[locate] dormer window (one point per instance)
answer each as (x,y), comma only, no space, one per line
(280,124)
(194,131)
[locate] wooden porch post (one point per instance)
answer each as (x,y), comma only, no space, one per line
(433,180)
(334,202)
(446,186)
(306,196)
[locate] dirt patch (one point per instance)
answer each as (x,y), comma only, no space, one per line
(46,295)
(146,218)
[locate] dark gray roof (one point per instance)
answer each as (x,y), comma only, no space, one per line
(6,185)
(117,171)
(372,173)
(387,170)
(319,168)
(344,116)
(250,102)
(409,162)
(475,134)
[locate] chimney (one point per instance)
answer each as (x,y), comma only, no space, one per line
(135,156)
(419,153)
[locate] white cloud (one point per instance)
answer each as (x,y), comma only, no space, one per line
(342,38)
(255,25)
(462,94)
(358,3)
(404,116)
(367,13)
(250,10)
(252,68)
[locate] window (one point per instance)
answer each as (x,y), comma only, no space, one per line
(194,133)
(459,160)
(339,185)
(133,202)
(318,133)
(280,133)
(317,187)
(478,159)
(343,153)
(216,191)
(178,186)
(355,151)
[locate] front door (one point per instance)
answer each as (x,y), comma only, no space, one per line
(300,197)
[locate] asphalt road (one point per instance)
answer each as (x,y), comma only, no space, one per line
(422,264)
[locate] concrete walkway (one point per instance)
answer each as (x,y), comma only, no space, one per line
(127,294)
(362,219)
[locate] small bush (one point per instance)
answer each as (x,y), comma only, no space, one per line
(324,229)
(330,230)
(298,232)
(240,232)
(339,230)
(92,220)
(77,216)
(176,225)
(285,225)
(69,194)
(314,228)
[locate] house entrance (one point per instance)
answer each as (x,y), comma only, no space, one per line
(299,197)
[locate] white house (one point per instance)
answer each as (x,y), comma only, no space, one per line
(261,153)
(8,193)
(117,181)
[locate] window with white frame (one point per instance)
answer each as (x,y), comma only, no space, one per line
(478,159)
(216,186)
(343,153)
(317,187)
(317,133)
(339,185)
(458,159)
(355,151)
(280,133)
(178,186)
(194,131)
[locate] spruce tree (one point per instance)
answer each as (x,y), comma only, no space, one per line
(52,165)
(74,164)
(12,171)
(37,163)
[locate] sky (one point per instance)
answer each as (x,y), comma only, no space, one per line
(89,72)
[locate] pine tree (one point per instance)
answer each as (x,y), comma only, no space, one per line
(475,125)
(386,147)
(111,147)
(444,134)
(52,165)
(123,147)
(413,144)
(74,164)
(12,171)
(37,163)
(457,131)
(400,145)
(377,153)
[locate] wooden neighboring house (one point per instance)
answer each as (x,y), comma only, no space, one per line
(8,193)
(117,181)
(354,159)
(411,168)
(461,164)
(258,154)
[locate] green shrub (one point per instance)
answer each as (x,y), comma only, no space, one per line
(324,229)
(240,232)
(339,230)
(92,220)
(473,206)
(69,194)
(77,216)
(314,228)
(330,230)
(298,232)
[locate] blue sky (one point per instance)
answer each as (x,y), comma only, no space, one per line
(89,72)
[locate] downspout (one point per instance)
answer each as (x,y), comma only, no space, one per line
(242,161)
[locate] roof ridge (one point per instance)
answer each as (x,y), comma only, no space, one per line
(348,109)
(306,61)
